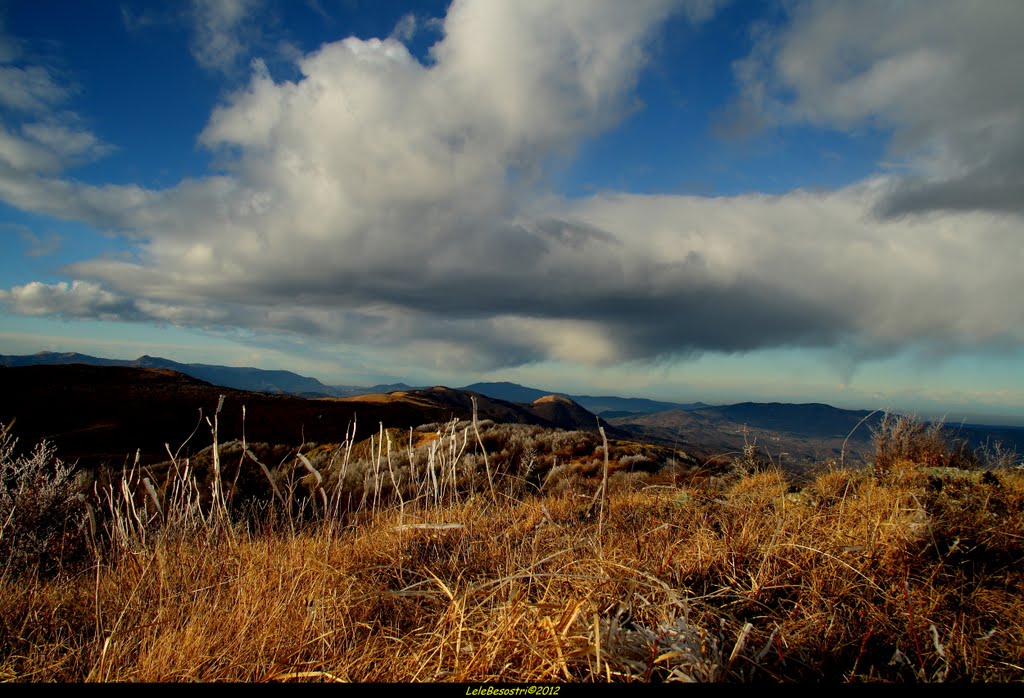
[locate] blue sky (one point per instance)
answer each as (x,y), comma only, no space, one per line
(687,200)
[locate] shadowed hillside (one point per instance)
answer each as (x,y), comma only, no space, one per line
(99,414)
(239,378)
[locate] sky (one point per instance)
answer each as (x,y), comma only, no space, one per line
(687,200)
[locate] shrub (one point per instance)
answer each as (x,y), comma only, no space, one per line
(901,441)
(42,512)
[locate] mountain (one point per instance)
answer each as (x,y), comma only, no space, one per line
(562,412)
(354,390)
(797,435)
(255,379)
(809,419)
(511,392)
(289,383)
(601,405)
(50,358)
(552,411)
(610,404)
(104,414)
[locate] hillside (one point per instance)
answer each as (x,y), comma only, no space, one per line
(563,413)
(105,413)
(600,405)
(795,435)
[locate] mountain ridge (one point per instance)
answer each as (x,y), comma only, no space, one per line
(692,424)
(279,381)
(270,381)
(106,413)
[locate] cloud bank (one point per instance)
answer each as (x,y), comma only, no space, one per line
(384,202)
(942,75)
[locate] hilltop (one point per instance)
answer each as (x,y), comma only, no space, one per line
(606,405)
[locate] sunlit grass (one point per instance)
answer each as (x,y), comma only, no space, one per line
(404,563)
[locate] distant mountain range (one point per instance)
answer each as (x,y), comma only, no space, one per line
(255,379)
(795,433)
(101,414)
(288,383)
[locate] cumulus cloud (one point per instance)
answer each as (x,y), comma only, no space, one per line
(80,299)
(813,269)
(382,202)
(68,143)
(942,75)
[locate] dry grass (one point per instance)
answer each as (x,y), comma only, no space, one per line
(895,573)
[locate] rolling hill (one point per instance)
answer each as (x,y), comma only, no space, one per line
(103,414)
(606,405)
(106,415)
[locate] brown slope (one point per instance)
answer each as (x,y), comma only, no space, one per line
(564,413)
(459,403)
(103,414)
(555,411)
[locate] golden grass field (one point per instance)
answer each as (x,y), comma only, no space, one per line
(427,564)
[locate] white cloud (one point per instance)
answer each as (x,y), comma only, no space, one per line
(21,155)
(78,299)
(942,75)
(67,142)
(47,148)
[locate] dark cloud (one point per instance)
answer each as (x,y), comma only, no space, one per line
(996,185)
